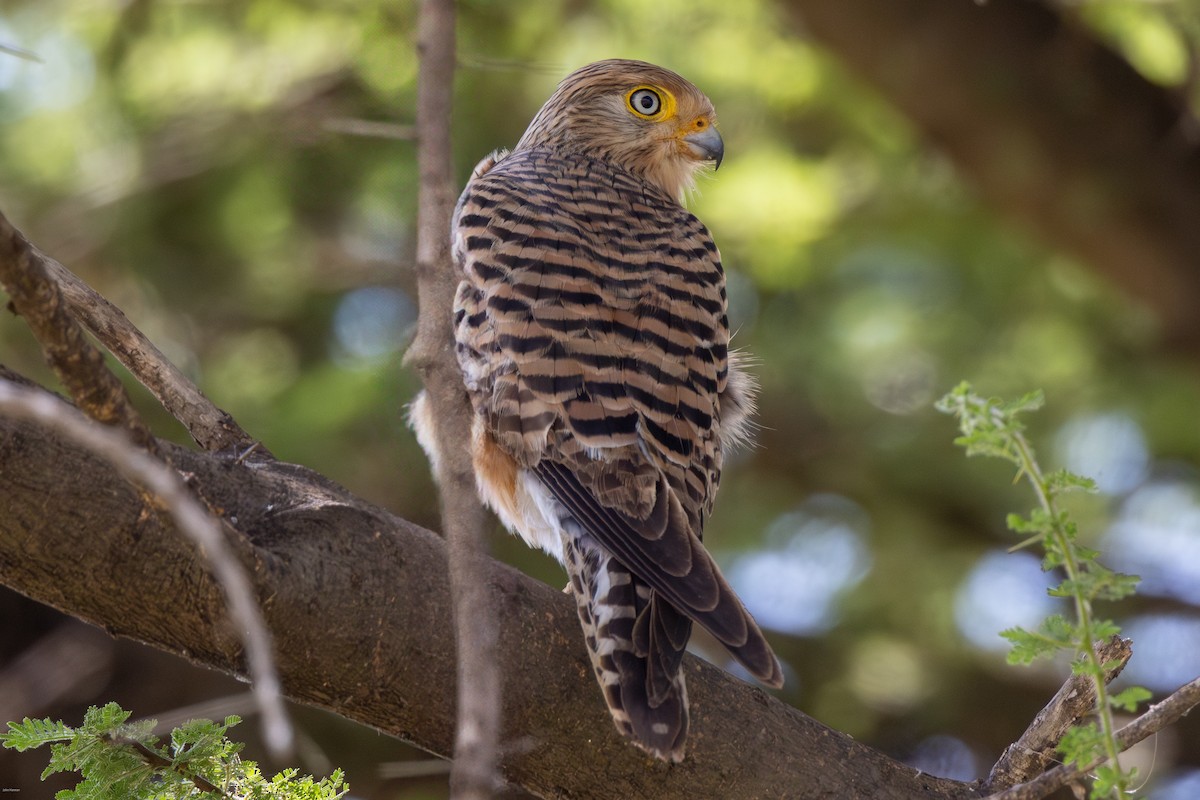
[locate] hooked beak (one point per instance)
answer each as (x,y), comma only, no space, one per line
(707,145)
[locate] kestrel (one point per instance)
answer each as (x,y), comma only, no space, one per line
(593,341)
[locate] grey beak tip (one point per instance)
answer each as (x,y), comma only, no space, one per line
(708,145)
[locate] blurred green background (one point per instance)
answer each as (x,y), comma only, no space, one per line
(192,161)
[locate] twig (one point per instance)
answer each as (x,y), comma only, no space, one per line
(1160,715)
(159,762)
(192,519)
(370,128)
(20,52)
(56,666)
(79,365)
(211,427)
(1029,756)
(474,775)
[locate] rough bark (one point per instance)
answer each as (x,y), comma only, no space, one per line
(358,601)
(1051,127)
(38,298)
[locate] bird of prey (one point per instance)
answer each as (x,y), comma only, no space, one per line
(593,341)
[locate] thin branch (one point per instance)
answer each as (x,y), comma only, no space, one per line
(211,427)
(79,365)
(474,775)
(1030,755)
(191,518)
(370,128)
(1169,711)
(57,666)
(20,52)
(158,762)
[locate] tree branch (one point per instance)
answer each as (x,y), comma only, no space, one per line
(359,605)
(474,775)
(1029,756)
(191,518)
(1174,708)
(209,426)
(79,365)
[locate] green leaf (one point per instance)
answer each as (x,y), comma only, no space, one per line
(1053,635)
(1082,745)
(1128,699)
(1109,780)
(1063,481)
(30,733)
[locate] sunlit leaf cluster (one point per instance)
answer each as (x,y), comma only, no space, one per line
(118,759)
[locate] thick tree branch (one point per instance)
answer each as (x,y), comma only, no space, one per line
(79,365)
(192,519)
(359,605)
(1052,128)
(1030,755)
(475,751)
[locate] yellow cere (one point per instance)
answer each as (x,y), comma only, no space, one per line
(667,100)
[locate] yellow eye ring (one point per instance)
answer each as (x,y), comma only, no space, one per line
(650,102)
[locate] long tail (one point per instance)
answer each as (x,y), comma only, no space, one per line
(636,643)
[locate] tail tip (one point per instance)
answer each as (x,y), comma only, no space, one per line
(774,679)
(671,755)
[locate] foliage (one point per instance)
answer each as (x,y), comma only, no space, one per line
(992,427)
(120,760)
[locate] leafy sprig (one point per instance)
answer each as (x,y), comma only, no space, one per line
(119,759)
(992,427)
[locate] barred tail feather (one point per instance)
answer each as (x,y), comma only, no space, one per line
(636,642)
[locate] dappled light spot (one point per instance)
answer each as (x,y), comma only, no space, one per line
(371,324)
(887,674)
(882,324)
(903,384)
(252,368)
(814,554)
(1166,651)
(1109,448)
(1154,43)
(1157,536)
(771,205)
(1002,591)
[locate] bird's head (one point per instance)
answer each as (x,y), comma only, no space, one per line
(643,118)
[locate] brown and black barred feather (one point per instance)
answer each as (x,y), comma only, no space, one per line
(593,341)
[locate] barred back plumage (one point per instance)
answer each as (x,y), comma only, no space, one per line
(593,340)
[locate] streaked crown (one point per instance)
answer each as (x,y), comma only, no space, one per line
(638,116)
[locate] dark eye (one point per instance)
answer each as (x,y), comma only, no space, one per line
(645,102)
